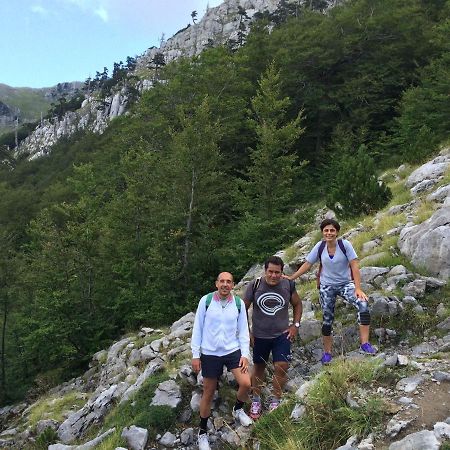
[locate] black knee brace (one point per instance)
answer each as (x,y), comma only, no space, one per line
(326,330)
(364,318)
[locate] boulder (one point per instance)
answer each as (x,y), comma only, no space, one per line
(431,170)
(136,437)
(409,384)
(368,274)
(440,194)
(167,393)
(422,440)
(428,244)
(168,440)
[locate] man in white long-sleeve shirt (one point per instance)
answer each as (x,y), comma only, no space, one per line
(220,338)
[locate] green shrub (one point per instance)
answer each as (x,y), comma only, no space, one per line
(355,188)
(47,437)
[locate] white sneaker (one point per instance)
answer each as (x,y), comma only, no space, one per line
(203,443)
(240,415)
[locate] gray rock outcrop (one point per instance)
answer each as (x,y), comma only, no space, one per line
(428,244)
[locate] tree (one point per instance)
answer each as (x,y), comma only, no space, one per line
(7,280)
(425,109)
(266,196)
(355,189)
(157,62)
(199,194)
(194,16)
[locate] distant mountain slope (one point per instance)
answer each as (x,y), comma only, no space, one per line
(29,103)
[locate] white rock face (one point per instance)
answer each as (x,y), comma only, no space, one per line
(428,244)
(217,26)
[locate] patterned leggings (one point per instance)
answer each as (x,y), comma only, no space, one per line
(328,300)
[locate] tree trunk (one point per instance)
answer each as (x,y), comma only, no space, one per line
(187,241)
(3,357)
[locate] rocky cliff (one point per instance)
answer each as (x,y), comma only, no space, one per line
(219,25)
(415,389)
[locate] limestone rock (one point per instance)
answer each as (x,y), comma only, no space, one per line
(428,244)
(168,393)
(168,440)
(409,384)
(422,440)
(136,437)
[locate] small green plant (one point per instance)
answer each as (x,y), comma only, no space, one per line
(290,253)
(304,288)
(360,239)
(400,194)
(113,441)
(424,212)
(47,437)
(387,222)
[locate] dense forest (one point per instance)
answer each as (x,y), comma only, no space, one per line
(221,163)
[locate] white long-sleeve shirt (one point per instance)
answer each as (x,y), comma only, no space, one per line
(220,330)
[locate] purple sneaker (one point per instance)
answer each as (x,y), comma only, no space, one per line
(367,348)
(326,358)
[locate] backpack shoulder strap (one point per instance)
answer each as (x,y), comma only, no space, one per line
(344,251)
(320,250)
(342,246)
(208,300)
(256,284)
(209,297)
(237,300)
(291,286)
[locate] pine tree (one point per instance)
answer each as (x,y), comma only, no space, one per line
(266,196)
(355,189)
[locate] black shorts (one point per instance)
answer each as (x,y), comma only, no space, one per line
(212,366)
(280,347)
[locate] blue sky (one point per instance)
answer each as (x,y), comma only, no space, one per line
(44,42)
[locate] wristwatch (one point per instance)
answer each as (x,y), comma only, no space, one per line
(297,324)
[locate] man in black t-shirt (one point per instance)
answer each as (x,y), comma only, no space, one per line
(271,332)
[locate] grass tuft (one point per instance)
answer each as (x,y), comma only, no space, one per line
(328,421)
(55,407)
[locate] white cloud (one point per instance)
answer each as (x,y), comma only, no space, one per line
(102,13)
(99,8)
(38,9)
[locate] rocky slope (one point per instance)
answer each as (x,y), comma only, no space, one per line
(418,401)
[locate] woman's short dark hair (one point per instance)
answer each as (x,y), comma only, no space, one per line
(275,260)
(332,222)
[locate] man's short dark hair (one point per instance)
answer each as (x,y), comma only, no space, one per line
(330,222)
(276,260)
